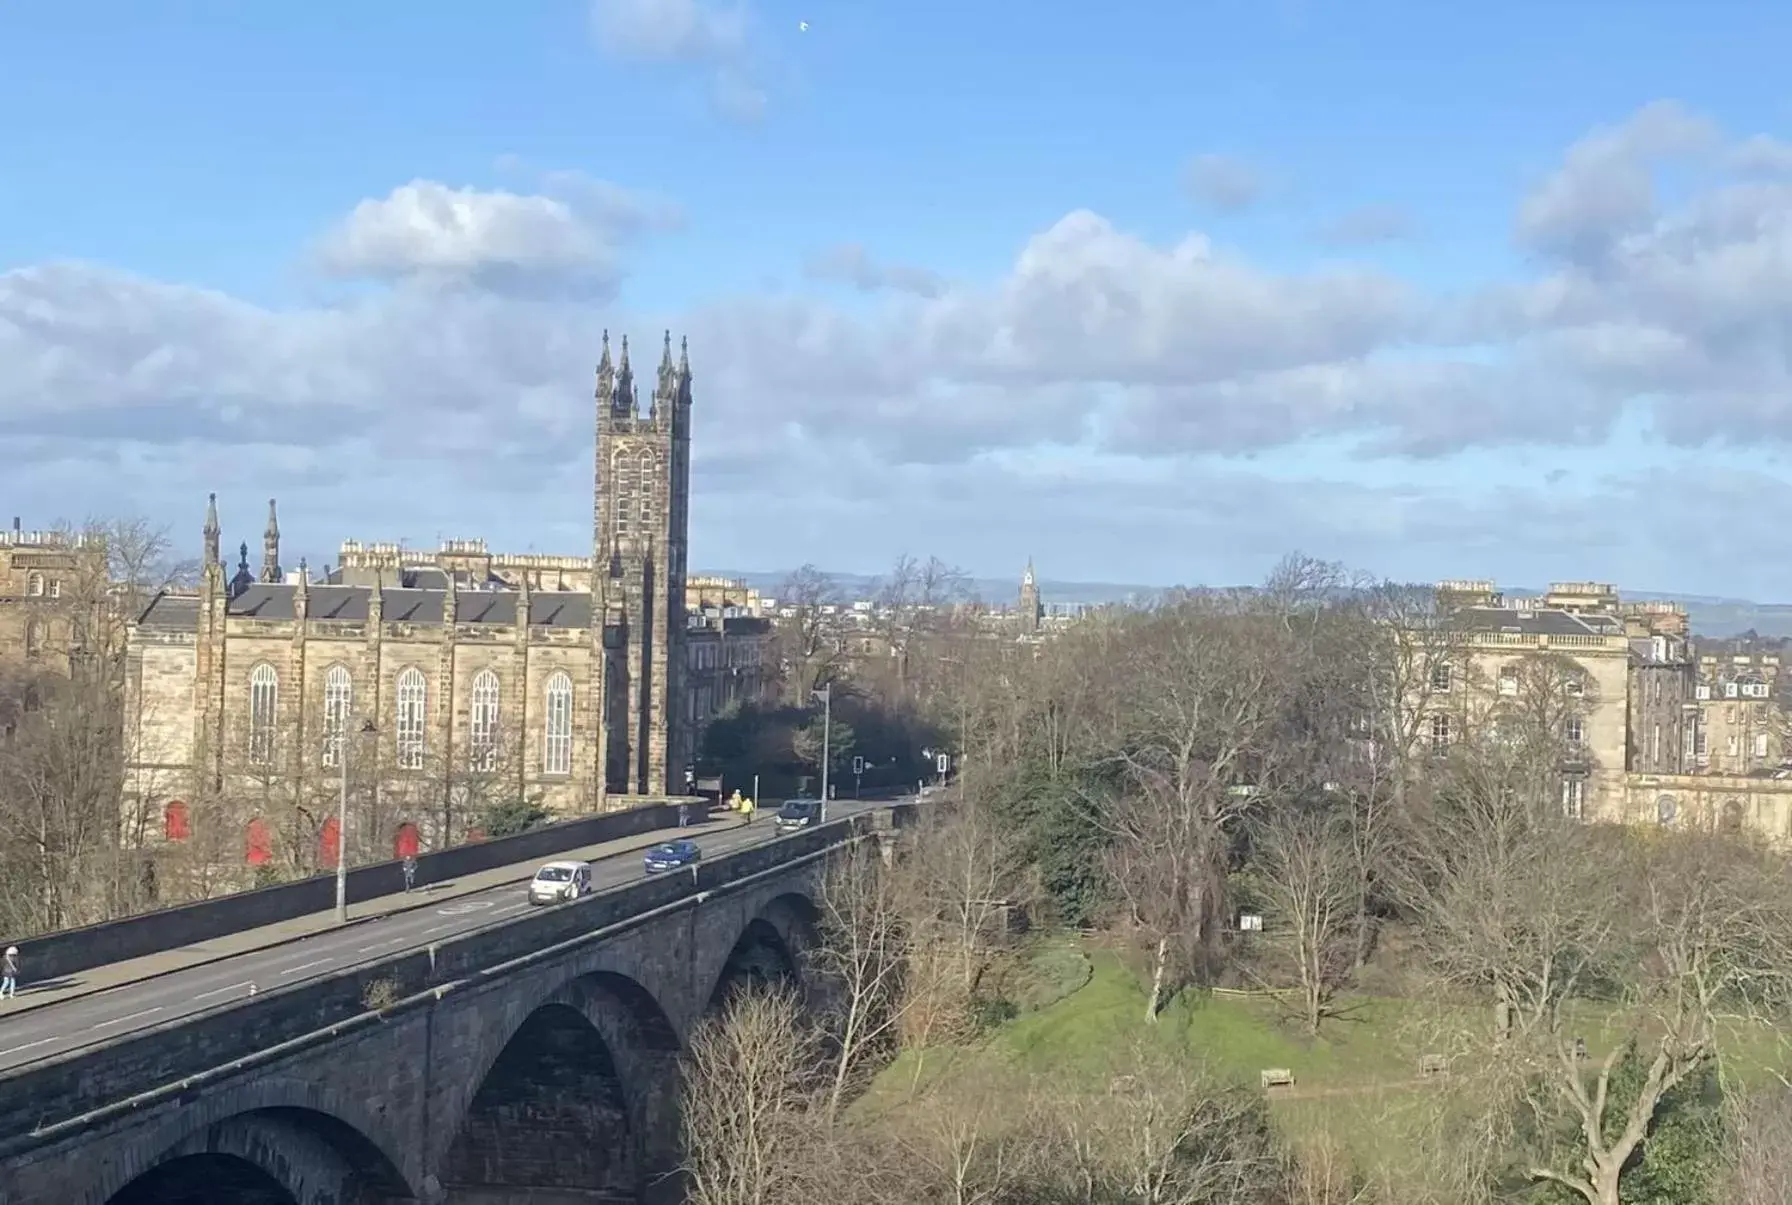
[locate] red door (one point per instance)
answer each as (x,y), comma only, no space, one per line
(406,841)
(329,843)
(176,824)
(260,843)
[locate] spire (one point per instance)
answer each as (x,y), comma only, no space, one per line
(684,356)
(301,591)
(666,390)
(376,599)
(212,530)
(622,402)
(243,579)
(450,600)
(1027,578)
(270,547)
(606,379)
(524,600)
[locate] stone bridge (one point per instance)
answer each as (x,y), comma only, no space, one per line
(532,1063)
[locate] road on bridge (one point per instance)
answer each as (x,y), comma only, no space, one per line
(101,1016)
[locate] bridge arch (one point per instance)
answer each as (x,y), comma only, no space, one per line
(581,1095)
(283,1155)
(772,947)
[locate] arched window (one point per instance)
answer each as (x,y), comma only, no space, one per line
(339,703)
(34,585)
(258,843)
(177,823)
(623,485)
(556,754)
(644,509)
(264,697)
(482,748)
(407,841)
(34,638)
(413,698)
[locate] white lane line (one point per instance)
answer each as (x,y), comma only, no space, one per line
(305,966)
(380,945)
(516,907)
(148,1012)
(219,991)
(439,928)
(26,1046)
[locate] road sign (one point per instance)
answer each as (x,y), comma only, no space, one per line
(944,763)
(858,764)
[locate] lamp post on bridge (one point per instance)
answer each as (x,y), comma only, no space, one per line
(826,695)
(342,821)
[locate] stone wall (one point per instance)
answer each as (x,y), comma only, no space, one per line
(64,953)
(1712,801)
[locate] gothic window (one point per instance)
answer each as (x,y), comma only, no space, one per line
(264,697)
(34,638)
(623,487)
(34,585)
(556,754)
(339,701)
(649,475)
(482,748)
(413,696)
(177,824)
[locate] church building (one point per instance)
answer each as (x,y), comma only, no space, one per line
(431,697)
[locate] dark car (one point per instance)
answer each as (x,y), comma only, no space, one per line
(798,813)
(672,855)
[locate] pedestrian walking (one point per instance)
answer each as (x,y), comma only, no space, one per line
(9,973)
(684,815)
(746,806)
(410,872)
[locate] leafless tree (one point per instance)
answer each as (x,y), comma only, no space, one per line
(810,635)
(915,601)
(962,874)
(860,957)
(972,1140)
(749,1134)
(1167,1133)
(1307,879)
(1759,1167)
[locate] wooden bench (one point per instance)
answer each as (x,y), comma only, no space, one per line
(1276,1077)
(1433,1064)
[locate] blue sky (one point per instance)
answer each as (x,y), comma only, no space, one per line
(1152,296)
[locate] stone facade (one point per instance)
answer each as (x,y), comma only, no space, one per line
(38,575)
(1740,727)
(427,688)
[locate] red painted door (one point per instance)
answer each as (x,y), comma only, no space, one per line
(260,843)
(329,843)
(406,841)
(176,823)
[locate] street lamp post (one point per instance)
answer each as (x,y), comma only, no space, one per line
(826,695)
(342,824)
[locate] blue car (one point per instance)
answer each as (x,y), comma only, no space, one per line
(672,855)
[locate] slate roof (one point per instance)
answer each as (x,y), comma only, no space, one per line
(553,609)
(1541,622)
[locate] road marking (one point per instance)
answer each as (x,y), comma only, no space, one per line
(26,1046)
(219,991)
(463,908)
(305,966)
(519,905)
(439,928)
(148,1012)
(380,945)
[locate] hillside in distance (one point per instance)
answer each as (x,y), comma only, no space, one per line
(1710,615)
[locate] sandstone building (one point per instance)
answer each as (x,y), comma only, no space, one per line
(435,689)
(1653,732)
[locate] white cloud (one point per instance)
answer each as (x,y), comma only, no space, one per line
(1223,182)
(429,231)
(717,37)
(851,264)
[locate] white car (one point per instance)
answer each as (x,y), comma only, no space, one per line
(560,881)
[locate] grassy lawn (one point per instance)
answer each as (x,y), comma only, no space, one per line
(1359,1082)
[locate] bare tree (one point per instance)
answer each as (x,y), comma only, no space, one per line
(972,1141)
(1307,880)
(1759,1167)
(1167,1133)
(810,638)
(961,876)
(861,958)
(748,1134)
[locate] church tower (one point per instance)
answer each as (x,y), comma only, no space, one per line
(639,547)
(1029,609)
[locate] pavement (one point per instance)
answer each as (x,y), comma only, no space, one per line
(103,1003)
